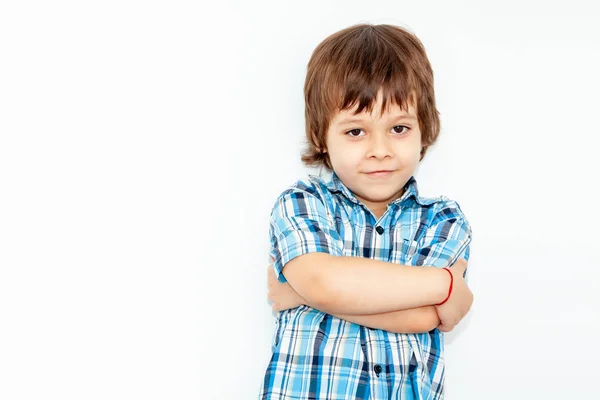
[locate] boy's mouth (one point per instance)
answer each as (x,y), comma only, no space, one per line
(380,173)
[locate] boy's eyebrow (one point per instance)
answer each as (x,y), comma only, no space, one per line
(351,120)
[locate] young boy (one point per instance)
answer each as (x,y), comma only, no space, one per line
(360,261)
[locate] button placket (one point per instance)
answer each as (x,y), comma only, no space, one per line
(380,241)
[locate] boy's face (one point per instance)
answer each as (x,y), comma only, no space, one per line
(375,155)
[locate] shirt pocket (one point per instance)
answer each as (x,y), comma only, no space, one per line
(404,248)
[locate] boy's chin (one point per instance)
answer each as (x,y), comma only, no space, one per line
(380,196)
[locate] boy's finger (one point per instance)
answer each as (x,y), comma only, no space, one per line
(271,275)
(461,263)
(444,328)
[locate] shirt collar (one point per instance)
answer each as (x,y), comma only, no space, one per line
(410,191)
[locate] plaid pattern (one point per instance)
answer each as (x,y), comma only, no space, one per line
(319,356)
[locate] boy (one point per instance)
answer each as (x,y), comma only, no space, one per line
(362,260)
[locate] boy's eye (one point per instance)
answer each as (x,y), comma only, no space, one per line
(354,132)
(398,129)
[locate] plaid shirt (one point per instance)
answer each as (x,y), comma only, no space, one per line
(319,356)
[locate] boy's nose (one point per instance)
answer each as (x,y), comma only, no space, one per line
(379,146)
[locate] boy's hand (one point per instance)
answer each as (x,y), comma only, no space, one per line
(460,301)
(282,295)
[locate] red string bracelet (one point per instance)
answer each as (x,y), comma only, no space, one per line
(449,289)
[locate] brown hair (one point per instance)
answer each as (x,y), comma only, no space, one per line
(351,66)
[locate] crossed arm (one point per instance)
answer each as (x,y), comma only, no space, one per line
(414,320)
(373,293)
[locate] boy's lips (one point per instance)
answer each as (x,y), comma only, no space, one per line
(380,173)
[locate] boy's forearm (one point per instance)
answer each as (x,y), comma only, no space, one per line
(414,320)
(362,286)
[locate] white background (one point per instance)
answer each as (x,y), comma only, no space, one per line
(143,144)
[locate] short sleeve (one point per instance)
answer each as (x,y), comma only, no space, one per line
(300,224)
(446,240)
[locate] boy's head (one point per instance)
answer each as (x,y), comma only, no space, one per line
(370,74)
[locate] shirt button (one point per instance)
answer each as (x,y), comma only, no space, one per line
(379,230)
(377,369)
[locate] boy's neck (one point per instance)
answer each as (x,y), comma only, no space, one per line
(379,208)
(379,211)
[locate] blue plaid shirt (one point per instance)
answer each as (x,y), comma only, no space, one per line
(319,356)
